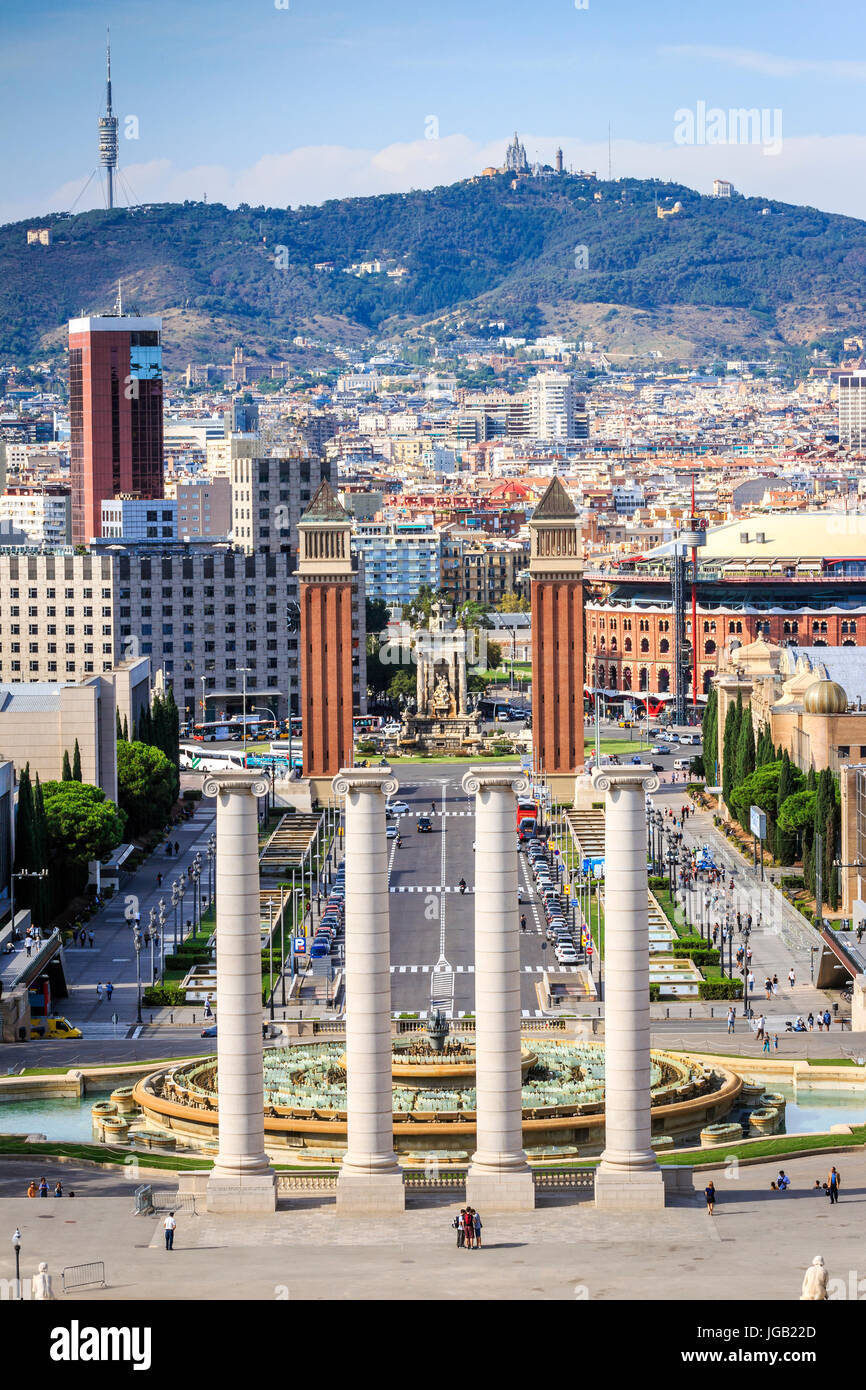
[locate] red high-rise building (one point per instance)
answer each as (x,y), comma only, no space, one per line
(327,580)
(556,571)
(115,413)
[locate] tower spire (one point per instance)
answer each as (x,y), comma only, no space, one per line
(108,130)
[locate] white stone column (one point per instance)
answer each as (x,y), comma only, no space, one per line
(628,1177)
(242,1179)
(499,1178)
(370,1180)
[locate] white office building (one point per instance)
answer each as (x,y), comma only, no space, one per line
(552,406)
(139,519)
(852,410)
(398,558)
(43,514)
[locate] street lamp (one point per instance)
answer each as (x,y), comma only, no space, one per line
(176,897)
(137,943)
(211,856)
(196,879)
(161,929)
(151,931)
(16,1246)
(245,671)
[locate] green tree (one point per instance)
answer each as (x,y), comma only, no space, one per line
(745,752)
(785,842)
(377,614)
(30,856)
(125,729)
(402,683)
(514,603)
(494,656)
(729,749)
(710,733)
(145,786)
(417,611)
(66,773)
(76,763)
(81,824)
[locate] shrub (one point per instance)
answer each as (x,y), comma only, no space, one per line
(654,993)
(720,989)
(170,995)
(192,794)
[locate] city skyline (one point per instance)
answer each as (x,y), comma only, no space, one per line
(299,106)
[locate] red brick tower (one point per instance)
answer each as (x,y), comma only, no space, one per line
(556,571)
(326,580)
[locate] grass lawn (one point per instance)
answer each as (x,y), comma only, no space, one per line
(785,1144)
(616,745)
(831,1062)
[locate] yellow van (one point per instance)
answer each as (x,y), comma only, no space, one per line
(53,1027)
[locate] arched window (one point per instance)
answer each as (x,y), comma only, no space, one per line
(643,683)
(644,644)
(612,678)
(626,678)
(613,644)
(709,648)
(664,645)
(708,682)
(628,644)
(664,680)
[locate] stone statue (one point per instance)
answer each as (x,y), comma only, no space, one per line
(815,1281)
(40,1285)
(437,1030)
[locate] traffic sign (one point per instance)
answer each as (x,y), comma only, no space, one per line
(299,943)
(196,763)
(566,888)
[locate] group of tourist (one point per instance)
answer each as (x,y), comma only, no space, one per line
(106,989)
(468,1227)
(42,1188)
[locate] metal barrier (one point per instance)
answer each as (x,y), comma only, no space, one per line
(80,1276)
(143,1200)
(173,1201)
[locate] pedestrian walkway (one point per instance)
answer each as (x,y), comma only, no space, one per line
(112,957)
(782,941)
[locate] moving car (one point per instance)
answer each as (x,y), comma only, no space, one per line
(425,825)
(53,1027)
(662,748)
(392,832)
(397,808)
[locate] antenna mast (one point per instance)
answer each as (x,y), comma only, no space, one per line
(108,129)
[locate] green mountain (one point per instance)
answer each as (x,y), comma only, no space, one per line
(575,255)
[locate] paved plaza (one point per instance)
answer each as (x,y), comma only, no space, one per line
(755,1248)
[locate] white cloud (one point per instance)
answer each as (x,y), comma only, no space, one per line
(771,64)
(810,169)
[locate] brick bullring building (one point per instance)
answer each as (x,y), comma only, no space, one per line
(791,580)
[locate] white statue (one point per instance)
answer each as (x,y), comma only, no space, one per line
(815,1281)
(40,1285)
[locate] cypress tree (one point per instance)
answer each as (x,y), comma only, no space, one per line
(76,763)
(729,749)
(745,746)
(66,774)
(118,725)
(710,735)
(43,897)
(125,729)
(785,842)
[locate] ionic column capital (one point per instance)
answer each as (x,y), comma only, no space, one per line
(482,779)
(247,783)
(611,779)
(365,779)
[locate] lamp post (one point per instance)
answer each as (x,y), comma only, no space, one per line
(16,1246)
(203,701)
(151,931)
(176,897)
(137,943)
(271,971)
(161,915)
(245,671)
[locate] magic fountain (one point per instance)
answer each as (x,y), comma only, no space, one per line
(434,1098)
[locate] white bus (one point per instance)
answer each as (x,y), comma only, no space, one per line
(209,760)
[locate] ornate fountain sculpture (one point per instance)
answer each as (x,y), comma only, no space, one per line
(438,1028)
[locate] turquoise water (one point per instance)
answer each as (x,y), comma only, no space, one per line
(816,1109)
(64,1118)
(68,1119)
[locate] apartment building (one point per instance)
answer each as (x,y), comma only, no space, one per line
(397,559)
(852,410)
(204,510)
(268,496)
(42,513)
(474,568)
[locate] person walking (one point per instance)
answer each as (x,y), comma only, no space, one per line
(177,847)
(99,991)
(170,1226)
(32,1190)
(766,1046)
(792,979)
(476,1219)
(833,1182)
(523,921)
(768,987)
(109,990)
(458,1226)
(58,1189)
(775,984)
(827,1019)
(89,938)
(810,1020)
(732,1017)
(710,1194)
(43,1187)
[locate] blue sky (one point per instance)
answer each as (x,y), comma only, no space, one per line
(246,101)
